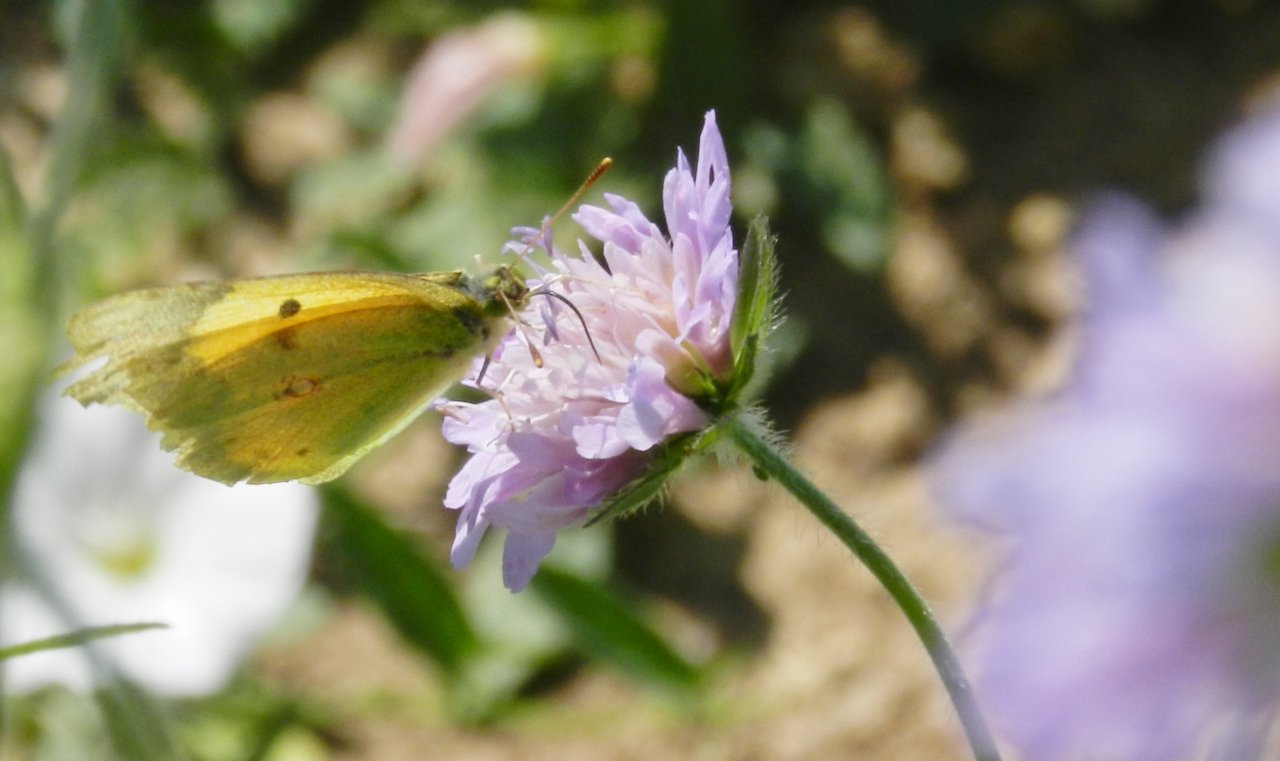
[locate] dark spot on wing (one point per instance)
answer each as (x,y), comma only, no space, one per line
(444,353)
(287,339)
(474,323)
(289,308)
(296,388)
(303,452)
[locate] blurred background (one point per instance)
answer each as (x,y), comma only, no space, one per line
(921,163)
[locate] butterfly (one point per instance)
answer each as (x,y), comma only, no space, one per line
(293,377)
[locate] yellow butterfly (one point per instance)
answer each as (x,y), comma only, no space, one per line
(292,377)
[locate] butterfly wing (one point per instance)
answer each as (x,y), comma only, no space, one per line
(286,378)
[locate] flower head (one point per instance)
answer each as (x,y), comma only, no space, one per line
(1137,611)
(122,537)
(640,359)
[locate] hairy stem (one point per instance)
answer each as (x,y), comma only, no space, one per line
(767,459)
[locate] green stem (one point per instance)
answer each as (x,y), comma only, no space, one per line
(909,601)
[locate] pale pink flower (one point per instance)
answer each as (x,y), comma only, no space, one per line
(456,73)
(569,424)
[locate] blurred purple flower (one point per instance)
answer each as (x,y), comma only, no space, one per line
(567,428)
(1137,615)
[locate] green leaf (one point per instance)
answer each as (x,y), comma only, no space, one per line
(350,190)
(29,286)
(99,30)
(140,193)
(22,332)
(412,591)
(846,179)
(140,728)
(75,638)
(13,210)
(609,631)
(526,641)
(253,25)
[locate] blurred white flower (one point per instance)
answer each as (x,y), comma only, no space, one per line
(122,536)
(456,73)
(1137,616)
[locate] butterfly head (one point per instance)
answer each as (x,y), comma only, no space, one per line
(504,291)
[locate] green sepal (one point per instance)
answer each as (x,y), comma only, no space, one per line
(667,458)
(753,314)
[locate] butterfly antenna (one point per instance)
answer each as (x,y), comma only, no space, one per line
(582,320)
(596,173)
(544,231)
(484,367)
(544,234)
